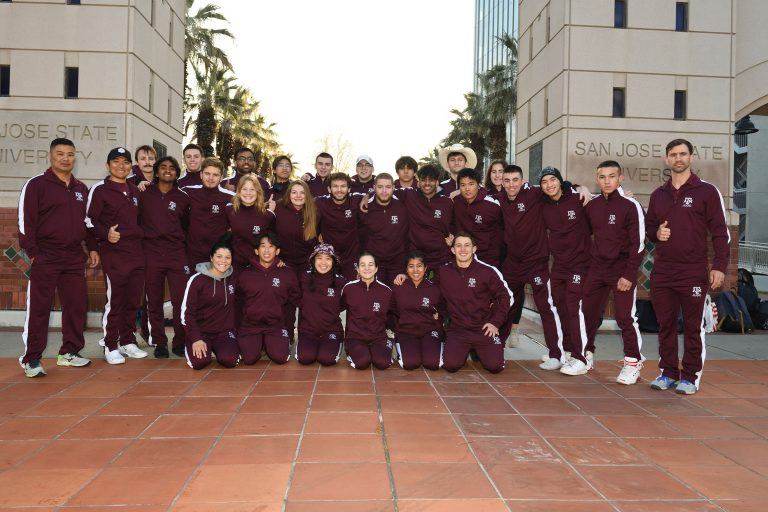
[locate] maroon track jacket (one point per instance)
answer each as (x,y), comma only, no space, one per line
(430,222)
(358,187)
(481,219)
(263,294)
(209,303)
(235,181)
(164,218)
(246,224)
(569,236)
(525,233)
(415,307)
(289,227)
(188,179)
(339,224)
(318,187)
(320,306)
(384,229)
(107,206)
(207,219)
(367,308)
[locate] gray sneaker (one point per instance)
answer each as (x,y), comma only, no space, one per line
(662,382)
(34,369)
(72,360)
(685,387)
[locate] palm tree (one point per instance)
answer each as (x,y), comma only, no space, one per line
(498,87)
(200,41)
(213,96)
(469,127)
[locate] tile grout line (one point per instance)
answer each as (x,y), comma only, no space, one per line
(295,461)
(387,456)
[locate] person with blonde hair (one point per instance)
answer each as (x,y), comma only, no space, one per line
(248,217)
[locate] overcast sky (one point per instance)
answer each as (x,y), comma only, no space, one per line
(383,74)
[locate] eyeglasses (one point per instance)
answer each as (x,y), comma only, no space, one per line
(365,166)
(283,166)
(246,159)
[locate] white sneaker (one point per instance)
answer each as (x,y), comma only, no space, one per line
(630,372)
(590,357)
(551,364)
(133,351)
(113,356)
(513,340)
(574,366)
(566,356)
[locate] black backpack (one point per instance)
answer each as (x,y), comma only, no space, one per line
(747,291)
(760,318)
(732,313)
(646,317)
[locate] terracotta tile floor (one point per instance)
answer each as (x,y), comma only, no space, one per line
(155,436)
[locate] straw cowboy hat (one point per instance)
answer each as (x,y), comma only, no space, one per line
(442,155)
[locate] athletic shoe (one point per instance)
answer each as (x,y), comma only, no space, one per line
(566,356)
(133,351)
(179,351)
(473,355)
(72,360)
(551,364)
(685,387)
(574,366)
(513,340)
(161,352)
(33,369)
(113,356)
(590,357)
(630,372)
(663,382)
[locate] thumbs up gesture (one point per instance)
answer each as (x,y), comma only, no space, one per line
(114,235)
(271,203)
(663,233)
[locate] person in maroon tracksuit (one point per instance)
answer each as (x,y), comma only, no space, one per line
(207,212)
(338,216)
(144,169)
(112,216)
(364,182)
(430,218)
(478,213)
(248,217)
(296,225)
(569,243)
(163,216)
(416,304)
(618,244)
(320,329)
(527,259)
(193,160)
(208,312)
(265,290)
(494,177)
(681,214)
(406,168)
(477,301)
(368,302)
(245,163)
(453,159)
(282,168)
(319,183)
(52,233)
(384,229)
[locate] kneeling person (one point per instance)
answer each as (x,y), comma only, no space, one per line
(265,292)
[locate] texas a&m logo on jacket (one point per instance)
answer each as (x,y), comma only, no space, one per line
(376,307)
(79,196)
(472,282)
(394,219)
(687,202)
(425,302)
(438,214)
(172,206)
(347,214)
(571,215)
(214,208)
(276,282)
(612,219)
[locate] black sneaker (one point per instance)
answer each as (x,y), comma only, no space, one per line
(161,352)
(473,355)
(179,351)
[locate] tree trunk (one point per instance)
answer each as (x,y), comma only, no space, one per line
(497,140)
(477,143)
(206,130)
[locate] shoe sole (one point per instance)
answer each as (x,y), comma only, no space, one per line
(680,392)
(626,383)
(128,356)
(573,374)
(550,369)
(66,363)
(35,376)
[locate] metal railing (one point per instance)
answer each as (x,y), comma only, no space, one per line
(740,198)
(753,256)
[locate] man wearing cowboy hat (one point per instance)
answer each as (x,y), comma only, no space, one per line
(453,159)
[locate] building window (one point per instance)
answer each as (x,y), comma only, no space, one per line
(71,82)
(535,158)
(619,101)
(620,14)
(680,104)
(5,80)
(681,17)
(73,2)
(161,149)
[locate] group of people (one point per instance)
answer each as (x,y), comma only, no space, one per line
(427,268)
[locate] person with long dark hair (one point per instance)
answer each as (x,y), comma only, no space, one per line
(493,183)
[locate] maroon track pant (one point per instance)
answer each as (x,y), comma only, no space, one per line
(415,351)
(45,278)
(596,291)
(490,351)
(273,340)
(667,301)
(567,292)
(124,274)
(223,344)
(324,349)
(539,281)
(361,354)
(158,269)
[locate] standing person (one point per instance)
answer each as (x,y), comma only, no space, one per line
(296,225)
(478,301)
(320,330)
(248,217)
(367,301)
(193,161)
(416,304)
(527,259)
(52,233)
(384,229)
(207,212)
(406,168)
(494,177)
(618,242)
(144,170)
(113,219)
(245,163)
(163,217)
(478,213)
(453,159)
(364,181)
(681,214)
(319,184)
(569,242)
(338,216)
(265,291)
(208,312)
(282,168)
